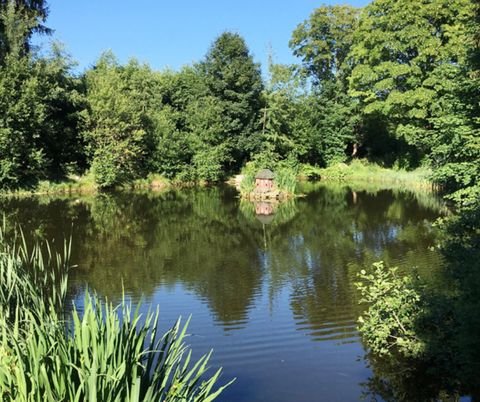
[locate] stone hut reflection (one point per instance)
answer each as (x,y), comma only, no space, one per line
(264,211)
(264,208)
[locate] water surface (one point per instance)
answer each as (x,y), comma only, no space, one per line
(274,296)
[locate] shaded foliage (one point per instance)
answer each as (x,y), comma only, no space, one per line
(39,121)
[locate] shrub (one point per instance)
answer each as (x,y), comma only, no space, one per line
(395,304)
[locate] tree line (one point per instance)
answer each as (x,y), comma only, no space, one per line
(395,82)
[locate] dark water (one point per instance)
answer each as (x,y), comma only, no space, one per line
(274,297)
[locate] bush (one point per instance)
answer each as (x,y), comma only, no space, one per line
(395,305)
(209,164)
(286,176)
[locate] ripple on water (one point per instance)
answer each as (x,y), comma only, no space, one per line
(274,301)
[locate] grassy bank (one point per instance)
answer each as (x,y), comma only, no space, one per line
(286,179)
(360,171)
(107,353)
(85,185)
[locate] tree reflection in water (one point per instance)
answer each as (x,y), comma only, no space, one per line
(214,246)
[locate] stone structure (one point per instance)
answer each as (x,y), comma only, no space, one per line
(264,181)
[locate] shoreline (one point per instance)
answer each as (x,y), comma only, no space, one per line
(356,173)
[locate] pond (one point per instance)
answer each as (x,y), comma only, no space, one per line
(274,296)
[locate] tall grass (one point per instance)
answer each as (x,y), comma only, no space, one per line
(285,181)
(364,171)
(107,353)
(286,178)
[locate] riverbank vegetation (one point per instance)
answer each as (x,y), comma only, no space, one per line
(414,106)
(429,350)
(285,176)
(423,336)
(362,171)
(103,353)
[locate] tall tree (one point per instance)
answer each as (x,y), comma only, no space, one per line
(282,96)
(173,148)
(117,124)
(408,55)
(232,103)
(455,151)
(39,101)
(323,43)
(39,104)
(20,19)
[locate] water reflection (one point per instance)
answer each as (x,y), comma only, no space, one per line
(224,251)
(290,273)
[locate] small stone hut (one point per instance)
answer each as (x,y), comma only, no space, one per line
(264,181)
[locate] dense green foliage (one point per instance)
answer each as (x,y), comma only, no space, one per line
(116,120)
(408,60)
(324,43)
(95,355)
(19,20)
(39,101)
(198,124)
(394,305)
(395,82)
(234,86)
(438,350)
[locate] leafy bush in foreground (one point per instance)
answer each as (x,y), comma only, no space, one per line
(97,355)
(389,324)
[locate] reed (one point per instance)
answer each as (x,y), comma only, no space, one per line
(286,173)
(286,178)
(362,171)
(107,353)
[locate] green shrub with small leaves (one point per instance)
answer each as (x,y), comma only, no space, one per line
(394,306)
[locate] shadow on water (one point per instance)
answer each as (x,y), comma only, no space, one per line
(271,281)
(215,245)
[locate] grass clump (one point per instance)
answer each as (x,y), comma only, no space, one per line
(285,171)
(364,171)
(107,353)
(151,182)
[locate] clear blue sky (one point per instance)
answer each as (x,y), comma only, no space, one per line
(171,33)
